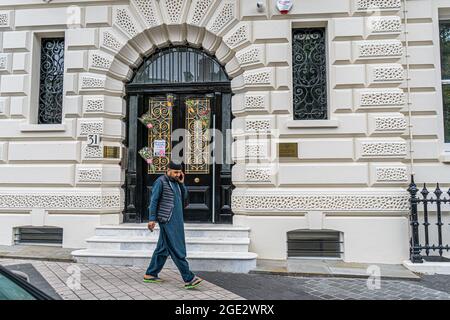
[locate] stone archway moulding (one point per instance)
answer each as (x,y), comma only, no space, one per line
(141,27)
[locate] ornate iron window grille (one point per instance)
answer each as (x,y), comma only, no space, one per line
(309,74)
(180,65)
(51,81)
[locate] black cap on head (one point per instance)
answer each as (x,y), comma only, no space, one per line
(175,166)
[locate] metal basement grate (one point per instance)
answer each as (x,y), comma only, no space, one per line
(39,235)
(314,244)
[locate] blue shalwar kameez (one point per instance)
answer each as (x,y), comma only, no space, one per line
(171,237)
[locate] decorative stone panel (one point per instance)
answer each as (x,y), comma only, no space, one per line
(89,175)
(238,36)
(224,17)
(148,11)
(391,174)
(257,125)
(382,98)
(5,20)
(254,102)
(91,153)
(258,174)
(59,201)
(110,41)
(379,49)
(100,61)
(384,149)
(92,83)
(378,4)
(251,56)
(199,10)
(91,127)
(387,73)
(263,77)
(93,104)
(173,10)
(382,25)
(123,19)
(256,150)
(390,123)
(5,63)
(335,202)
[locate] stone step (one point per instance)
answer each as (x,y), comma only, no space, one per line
(191,231)
(196,244)
(234,262)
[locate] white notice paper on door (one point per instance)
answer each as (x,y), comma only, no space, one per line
(159,148)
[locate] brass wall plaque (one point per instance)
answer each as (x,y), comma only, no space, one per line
(288,150)
(110,152)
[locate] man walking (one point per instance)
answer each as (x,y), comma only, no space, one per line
(166,207)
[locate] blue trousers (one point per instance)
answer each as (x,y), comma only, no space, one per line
(173,244)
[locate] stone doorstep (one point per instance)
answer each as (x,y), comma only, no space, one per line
(193,240)
(428,268)
(330,268)
(188,226)
(148,255)
(200,230)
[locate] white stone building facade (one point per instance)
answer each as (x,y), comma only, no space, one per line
(352,169)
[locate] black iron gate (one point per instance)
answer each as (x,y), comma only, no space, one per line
(428,232)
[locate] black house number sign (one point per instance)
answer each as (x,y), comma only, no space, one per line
(93,140)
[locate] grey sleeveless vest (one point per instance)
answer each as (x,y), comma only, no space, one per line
(167,200)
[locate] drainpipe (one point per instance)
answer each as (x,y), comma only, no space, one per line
(412,216)
(408,91)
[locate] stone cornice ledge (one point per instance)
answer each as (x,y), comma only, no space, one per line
(26,127)
(313,124)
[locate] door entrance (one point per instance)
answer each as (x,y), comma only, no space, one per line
(184,118)
(182,130)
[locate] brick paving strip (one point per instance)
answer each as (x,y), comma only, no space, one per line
(119,283)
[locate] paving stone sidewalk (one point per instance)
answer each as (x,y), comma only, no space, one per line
(125,283)
(115,283)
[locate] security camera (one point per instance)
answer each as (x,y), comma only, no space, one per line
(260,6)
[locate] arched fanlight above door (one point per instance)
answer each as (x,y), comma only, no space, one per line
(180,65)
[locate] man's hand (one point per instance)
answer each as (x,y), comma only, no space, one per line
(181,178)
(151,225)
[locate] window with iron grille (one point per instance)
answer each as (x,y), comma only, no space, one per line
(314,244)
(39,235)
(445,66)
(51,81)
(309,74)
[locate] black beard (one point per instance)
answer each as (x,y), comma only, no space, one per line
(173,179)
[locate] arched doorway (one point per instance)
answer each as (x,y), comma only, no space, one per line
(179,88)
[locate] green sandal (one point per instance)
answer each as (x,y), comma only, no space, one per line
(193,284)
(153,280)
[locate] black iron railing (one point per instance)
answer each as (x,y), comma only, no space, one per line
(427,200)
